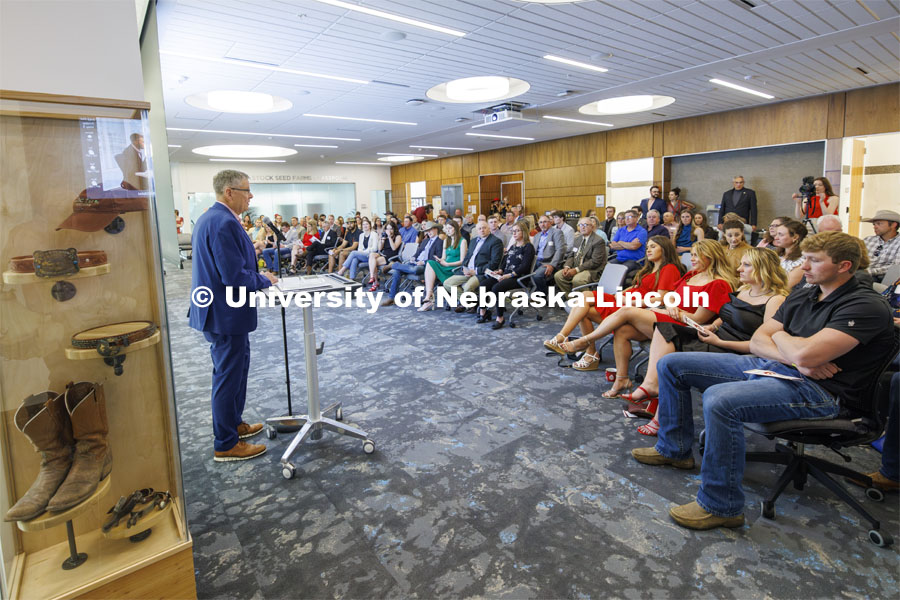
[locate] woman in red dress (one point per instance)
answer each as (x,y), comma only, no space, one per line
(711,274)
(661,271)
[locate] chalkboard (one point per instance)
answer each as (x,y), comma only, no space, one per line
(774,172)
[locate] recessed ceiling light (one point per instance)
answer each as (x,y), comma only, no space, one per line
(358,119)
(505,137)
(174,145)
(402,158)
(233,101)
(439,148)
(250,65)
(376,164)
(741,88)
(284,135)
(478,89)
(244,151)
(579,121)
(625,104)
(245,160)
(402,154)
(397,18)
(313,146)
(575,63)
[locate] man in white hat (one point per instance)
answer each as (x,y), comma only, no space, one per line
(884,246)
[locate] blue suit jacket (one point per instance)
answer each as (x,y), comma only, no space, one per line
(222,255)
(658,204)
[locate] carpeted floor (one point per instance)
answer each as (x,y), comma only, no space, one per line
(497,474)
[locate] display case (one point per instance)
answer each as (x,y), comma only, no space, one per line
(85,370)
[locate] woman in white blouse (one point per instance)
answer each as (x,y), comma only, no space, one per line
(369,243)
(787,240)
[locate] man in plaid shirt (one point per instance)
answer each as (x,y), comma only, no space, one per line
(884,246)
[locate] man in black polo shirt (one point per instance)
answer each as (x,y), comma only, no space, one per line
(821,342)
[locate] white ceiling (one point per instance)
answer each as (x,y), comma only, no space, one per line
(788,48)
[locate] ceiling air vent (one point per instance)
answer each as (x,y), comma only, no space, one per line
(861,70)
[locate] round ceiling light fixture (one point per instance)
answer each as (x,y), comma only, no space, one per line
(401,158)
(244,151)
(233,101)
(626,104)
(478,89)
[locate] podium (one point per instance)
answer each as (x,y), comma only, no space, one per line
(313,424)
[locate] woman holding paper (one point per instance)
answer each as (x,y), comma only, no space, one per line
(517,263)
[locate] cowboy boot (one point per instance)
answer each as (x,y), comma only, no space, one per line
(44,421)
(92,462)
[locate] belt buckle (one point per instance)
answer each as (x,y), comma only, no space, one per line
(55,263)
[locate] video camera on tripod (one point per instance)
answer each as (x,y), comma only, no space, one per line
(808,193)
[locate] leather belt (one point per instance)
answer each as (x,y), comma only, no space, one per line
(56,263)
(110,339)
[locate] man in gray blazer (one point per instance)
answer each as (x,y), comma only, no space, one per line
(585,261)
(550,249)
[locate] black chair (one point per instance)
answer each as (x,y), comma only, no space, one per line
(855,426)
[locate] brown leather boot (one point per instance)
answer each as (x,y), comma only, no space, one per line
(44,421)
(92,462)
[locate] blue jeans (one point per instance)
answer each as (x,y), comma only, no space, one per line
(730,398)
(890,452)
(269,256)
(397,273)
(353,261)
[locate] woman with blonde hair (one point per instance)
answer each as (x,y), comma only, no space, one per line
(442,269)
(709,282)
(762,291)
(259,237)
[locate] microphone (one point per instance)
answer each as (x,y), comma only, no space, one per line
(278,235)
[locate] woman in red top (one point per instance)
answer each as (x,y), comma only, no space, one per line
(825,202)
(661,271)
(711,274)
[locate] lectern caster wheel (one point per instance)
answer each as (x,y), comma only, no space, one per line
(288,471)
(882,540)
(368,446)
(339,414)
(875,494)
(271,433)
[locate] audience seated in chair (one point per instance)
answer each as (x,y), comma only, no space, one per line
(711,275)
(734,243)
(516,263)
(822,337)
(550,247)
(428,250)
(661,271)
(441,269)
(348,243)
(318,247)
(367,244)
(390,244)
(629,243)
(788,237)
(586,259)
(687,233)
(763,290)
(484,253)
(290,236)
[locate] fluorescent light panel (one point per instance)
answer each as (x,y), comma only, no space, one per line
(284,135)
(375,164)
(579,121)
(741,88)
(250,65)
(244,160)
(575,63)
(397,18)
(313,146)
(358,119)
(504,137)
(174,145)
(405,154)
(440,148)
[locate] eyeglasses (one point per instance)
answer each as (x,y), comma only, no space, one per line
(584,224)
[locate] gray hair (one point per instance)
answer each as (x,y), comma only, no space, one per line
(654,211)
(227,178)
(824,220)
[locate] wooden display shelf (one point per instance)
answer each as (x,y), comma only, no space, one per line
(122,531)
(48,519)
(14,278)
(89,353)
(129,568)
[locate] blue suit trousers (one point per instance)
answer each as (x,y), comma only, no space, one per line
(231,363)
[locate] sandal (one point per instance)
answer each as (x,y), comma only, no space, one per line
(650,429)
(374,286)
(427,305)
(647,396)
(573,346)
(614,393)
(553,344)
(588,362)
(646,409)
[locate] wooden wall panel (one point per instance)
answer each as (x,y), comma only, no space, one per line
(432,170)
(578,150)
(470,165)
(432,188)
(451,167)
(872,110)
(836,106)
(566,176)
(416,172)
(658,129)
(502,160)
(626,144)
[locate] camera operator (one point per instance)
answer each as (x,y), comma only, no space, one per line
(815,198)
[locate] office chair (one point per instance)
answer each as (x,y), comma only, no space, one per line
(858,426)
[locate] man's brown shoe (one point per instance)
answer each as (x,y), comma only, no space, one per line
(693,516)
(241,451)
(246,430)
(879,482)
(649,456)
(387,302)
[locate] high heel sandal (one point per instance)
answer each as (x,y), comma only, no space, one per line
(647,396)
(610,393)
(374,286)
(574,345)
(588,362)
(553,344)
(427,305)
(650,429)
(646,409)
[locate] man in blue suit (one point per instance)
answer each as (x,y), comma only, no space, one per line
(223,256)
(654,202)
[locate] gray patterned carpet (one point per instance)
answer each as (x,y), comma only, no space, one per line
(497,474)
